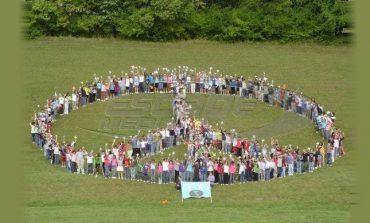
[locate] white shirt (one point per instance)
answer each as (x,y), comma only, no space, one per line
(188,80)
(34,129)
(262,165)
(74,97)
(152,166)
(279,162)
(90,159)
(141,78)
(56,150)
(210,166)
(241,168)
(336,143)
(165,165)
(226,169)
(267,165)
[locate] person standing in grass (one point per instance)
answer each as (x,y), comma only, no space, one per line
(97,165)
(68,159)
(299,161)
(189,171)
(232,169)
(305,161)
(267,169)
(256,171)
(34,131)
(114,164)
(273,168)
(133,166)
(284,162)
(329,155)
(322,155)
(311,162)
(90,163)
(74,162)
(126,162)
(80,158)
(279,165)
(120,168)
(139,169)
(220,171)
(290,162)
(56,152)
(203,172)
(152,171)
(171,169)
(241,172)
(146,168)
(182,170)
(262,168)
(107,164)
(165,166)
(249,169)
(160,172)
(63,155)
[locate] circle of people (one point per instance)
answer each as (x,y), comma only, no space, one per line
(213,154)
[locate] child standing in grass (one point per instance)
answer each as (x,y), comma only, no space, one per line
(114,164)
(171,168)
(126,163)
(106,166)
(146,168)
(120,167)
(152,171)
(226,173)
(220,170)
(256,171)
(160,172)
(97,162)
(133,166)
(90,161)
(232,169)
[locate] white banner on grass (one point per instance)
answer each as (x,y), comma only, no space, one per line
(196,189)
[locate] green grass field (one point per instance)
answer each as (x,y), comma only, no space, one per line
(322,72)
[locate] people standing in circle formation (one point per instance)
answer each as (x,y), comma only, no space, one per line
(212,153)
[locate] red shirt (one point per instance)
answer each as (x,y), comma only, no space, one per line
(126,162)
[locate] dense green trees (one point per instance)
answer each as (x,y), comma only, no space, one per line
(230,20)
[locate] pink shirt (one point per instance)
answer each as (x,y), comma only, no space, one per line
(171,167)
(160,169)
(232,168)
(114,162)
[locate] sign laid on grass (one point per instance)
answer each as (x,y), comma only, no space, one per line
(195,189)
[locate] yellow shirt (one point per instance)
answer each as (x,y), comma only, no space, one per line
(322,151)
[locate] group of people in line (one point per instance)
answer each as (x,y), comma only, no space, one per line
(212,154)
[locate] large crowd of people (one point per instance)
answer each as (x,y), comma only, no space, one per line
(213,154)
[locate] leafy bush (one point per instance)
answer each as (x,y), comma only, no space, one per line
(160,20)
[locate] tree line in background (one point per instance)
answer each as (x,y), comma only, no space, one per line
(160,20)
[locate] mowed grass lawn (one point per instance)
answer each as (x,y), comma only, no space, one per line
(322,72)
